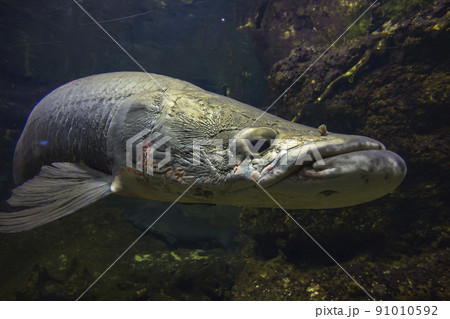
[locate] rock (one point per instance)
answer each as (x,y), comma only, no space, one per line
(389,81)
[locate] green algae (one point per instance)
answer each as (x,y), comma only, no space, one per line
(362,25)
(395,9)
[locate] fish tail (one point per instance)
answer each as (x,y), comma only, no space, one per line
(58,190)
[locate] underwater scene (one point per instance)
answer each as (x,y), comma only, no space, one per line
(91,210)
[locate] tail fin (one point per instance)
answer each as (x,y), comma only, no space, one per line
(56,191)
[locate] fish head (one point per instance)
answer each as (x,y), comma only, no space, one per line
(304,167)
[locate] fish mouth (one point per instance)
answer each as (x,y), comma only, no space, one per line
(356,153)
(367,161)
(355,171)
(342,155)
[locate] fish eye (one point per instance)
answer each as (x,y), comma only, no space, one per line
(266,145)
(259,148)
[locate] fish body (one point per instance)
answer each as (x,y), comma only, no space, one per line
(155,137)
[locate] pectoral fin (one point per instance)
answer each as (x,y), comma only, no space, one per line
(58,190)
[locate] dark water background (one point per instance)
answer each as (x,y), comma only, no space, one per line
(252,254)
(46,44)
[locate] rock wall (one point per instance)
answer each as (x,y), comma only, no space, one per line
(388,78)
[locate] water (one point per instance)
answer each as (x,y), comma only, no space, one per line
(395,247)
(45,45)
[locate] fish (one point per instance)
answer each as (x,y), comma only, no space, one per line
(151,136)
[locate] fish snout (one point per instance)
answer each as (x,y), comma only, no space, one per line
(378,164)
(339,171)
(358,155)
